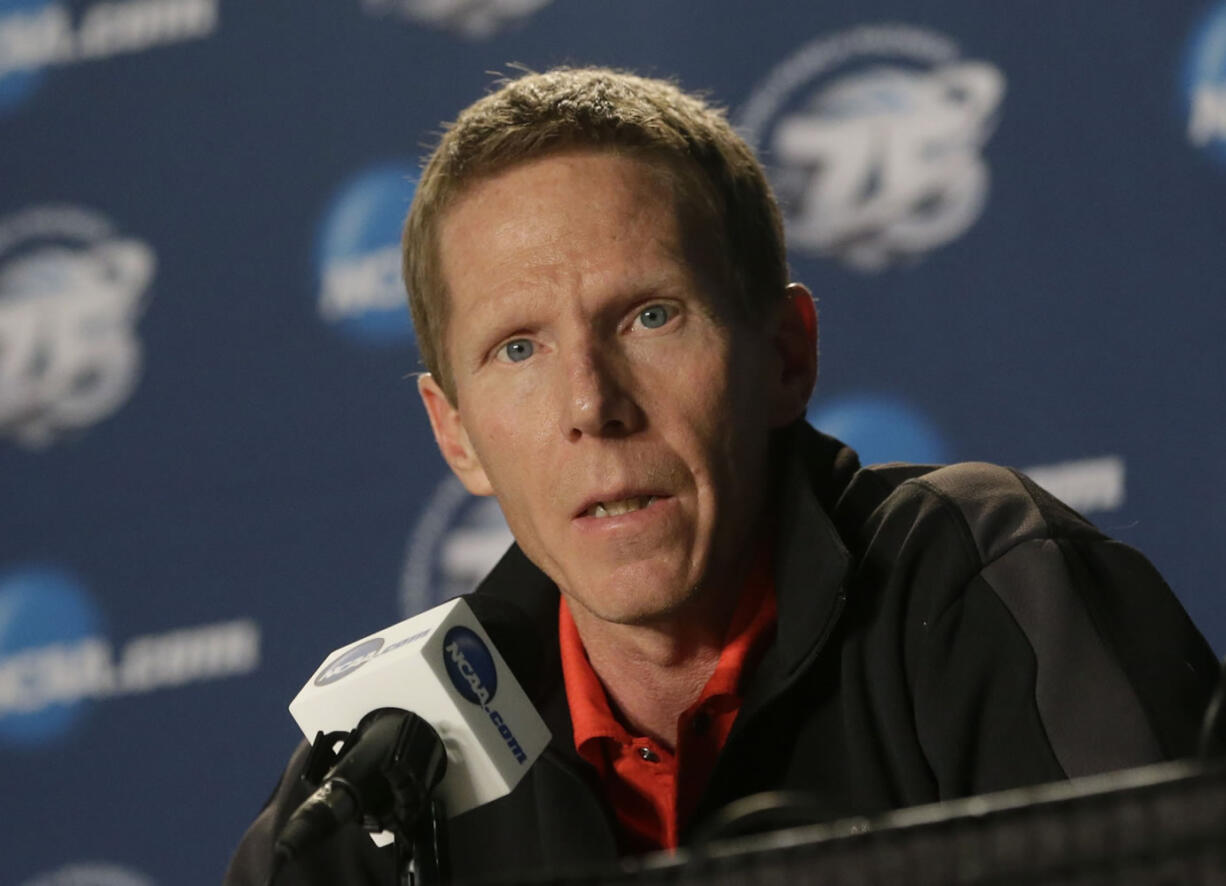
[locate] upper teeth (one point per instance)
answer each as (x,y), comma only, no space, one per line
(616,508)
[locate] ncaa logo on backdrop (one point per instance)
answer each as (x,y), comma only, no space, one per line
(52,643)
(457,540)
(1204,83)
(885,428)
(57,659)
(874,138)
(475,19)
(360,288)
(71,292)
(881,428)
(90,873)
(39,34)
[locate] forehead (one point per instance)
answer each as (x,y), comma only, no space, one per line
(579,211)
(581,193)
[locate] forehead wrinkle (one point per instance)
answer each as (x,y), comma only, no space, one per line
(560,267)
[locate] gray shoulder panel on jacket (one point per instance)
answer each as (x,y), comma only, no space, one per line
(1093,717)
(998,509)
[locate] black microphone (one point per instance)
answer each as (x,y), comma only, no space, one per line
(382,779)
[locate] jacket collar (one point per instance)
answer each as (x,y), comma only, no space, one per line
(811,559)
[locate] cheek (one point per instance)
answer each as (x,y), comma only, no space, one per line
(704,390)
(693,407)
(508,431)
(727,410)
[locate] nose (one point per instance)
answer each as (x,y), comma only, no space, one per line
(598,401)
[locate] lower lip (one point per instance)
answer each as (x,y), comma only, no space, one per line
(633,521)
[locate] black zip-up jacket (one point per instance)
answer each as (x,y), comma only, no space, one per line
(942,632)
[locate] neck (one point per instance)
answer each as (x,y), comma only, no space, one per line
(653,672)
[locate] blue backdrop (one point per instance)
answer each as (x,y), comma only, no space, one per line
(213,468)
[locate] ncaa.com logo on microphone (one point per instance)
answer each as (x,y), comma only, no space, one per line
(475,676)
(352,659)
(347,662)
(470,666)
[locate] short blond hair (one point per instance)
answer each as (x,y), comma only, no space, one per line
(602,109)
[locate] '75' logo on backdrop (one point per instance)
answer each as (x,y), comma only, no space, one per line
(71,292)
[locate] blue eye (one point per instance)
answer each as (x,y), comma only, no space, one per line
(518,350)
(655,316)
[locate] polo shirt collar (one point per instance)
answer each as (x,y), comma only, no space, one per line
(591,714)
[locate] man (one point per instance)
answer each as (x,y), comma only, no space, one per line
(726,602)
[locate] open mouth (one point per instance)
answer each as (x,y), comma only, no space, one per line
(617,508)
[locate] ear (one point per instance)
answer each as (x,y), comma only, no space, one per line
(794,341)
(451,437)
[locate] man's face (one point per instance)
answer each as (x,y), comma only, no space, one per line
(604,393)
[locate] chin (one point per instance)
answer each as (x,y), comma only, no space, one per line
(638,599)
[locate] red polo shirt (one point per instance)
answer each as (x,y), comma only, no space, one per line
(653,790)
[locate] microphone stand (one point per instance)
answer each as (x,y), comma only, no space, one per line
(398,795)
(422,860)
